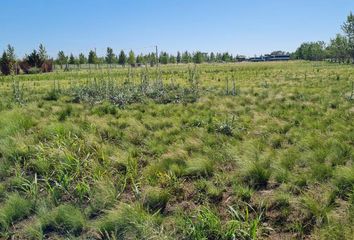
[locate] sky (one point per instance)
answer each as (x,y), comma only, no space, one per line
(249,27)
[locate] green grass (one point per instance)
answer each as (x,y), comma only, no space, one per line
(89,154)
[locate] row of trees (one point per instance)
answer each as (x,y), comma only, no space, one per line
(339,49)
(132,59)
(37,61)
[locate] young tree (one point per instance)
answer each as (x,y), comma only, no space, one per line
(131,58)
(178,58)
(122,59)
(339,48)
(348,29)
(198,57)
(11,56)
(92,58)
(42,52)
(62,59)
(212,57)
(5,64)
(110,56)
(82,59)
(72,59)
(186,57)
(163,59)
(34,59)
(172,59)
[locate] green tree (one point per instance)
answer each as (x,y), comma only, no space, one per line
(110,56)
(179,57)
(42,52)
(5,64)
(163,59)
(172,59)
(82,59)
(348,29)
(131,58)
(72,59)
(122,59)
(198,57)
(92,57)
(339,48)
(212,57)
(62,59)
(186,57)
(10,52)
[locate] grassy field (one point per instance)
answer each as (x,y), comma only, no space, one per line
(234,151)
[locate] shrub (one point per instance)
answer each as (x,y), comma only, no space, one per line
(63,219)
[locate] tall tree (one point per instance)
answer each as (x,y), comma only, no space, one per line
(110,56)
(122,59)
(131,58)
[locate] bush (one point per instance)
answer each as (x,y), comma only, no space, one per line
(63,219)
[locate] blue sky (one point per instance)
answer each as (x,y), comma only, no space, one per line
(239,26)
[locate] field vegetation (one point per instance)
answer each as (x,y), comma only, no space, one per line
(214,151)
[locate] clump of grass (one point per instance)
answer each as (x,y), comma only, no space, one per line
(66,112)
(344,181)
(102,196)
(104,109)
(198,167)
(63,219)
(15,208)
(128,222)
(52,95)
(155,199)
(257,176)
(244,193)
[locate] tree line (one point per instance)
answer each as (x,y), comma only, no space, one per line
(132,59)
(38,61)
(339,49)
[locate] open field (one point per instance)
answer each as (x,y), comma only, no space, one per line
(228,151)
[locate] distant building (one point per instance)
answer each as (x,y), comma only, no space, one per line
(271,57)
